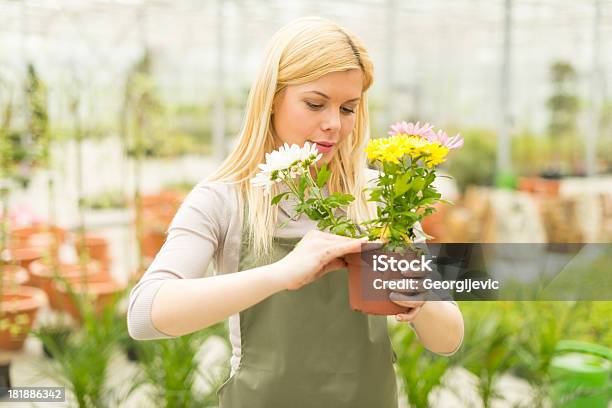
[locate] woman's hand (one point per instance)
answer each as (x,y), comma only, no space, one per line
(414,303)
(414,298)
(316,254)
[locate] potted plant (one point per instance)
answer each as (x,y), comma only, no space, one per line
(172,367)
(403,191)
(18,309)
(18,304)
(420,371)
(45,275)
(94,247)
(81,362)
(56,335)
(78,295)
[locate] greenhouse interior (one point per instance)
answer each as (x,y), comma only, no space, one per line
(112,114)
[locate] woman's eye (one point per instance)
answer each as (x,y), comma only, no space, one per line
(314,105)
(348,111)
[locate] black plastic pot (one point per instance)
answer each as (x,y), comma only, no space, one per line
(131,352)
(5,378)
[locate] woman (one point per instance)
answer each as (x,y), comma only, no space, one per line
(295,340)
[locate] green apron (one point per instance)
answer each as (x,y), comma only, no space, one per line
(307,348)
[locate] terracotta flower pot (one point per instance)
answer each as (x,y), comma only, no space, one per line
(13,275)
(162,200)
(152,241)
(362,293)
(42,276)
(19,309)
(539,185)
(99,294)
(435,224)
(37,235)
(23,256)
(96,247)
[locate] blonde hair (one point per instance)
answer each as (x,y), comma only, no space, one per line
(300,52)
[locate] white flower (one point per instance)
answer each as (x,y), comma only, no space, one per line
(283,158)
(286,161)
(310,153)
(262,179)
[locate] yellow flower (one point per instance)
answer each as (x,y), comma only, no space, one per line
(394,148)
(415,145)
(434,154)
(390,149)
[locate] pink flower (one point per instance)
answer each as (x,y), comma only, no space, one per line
(412,129)
(441,137)
(22,216)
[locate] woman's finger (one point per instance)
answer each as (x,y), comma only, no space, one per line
(415,287)
(407,300)
(343,248)
(408,317)
(333,265)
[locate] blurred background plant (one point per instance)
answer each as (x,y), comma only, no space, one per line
(419,371)
(173,367)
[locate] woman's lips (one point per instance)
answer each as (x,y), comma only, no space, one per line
(324,147)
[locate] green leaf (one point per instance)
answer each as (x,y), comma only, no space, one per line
(402,184)
(386,180)
(302,186)
(375,195)
(430,178)
(323,176)
(427,201)
(338,199)
(279,197)
(430,192)
(339,229)
(324,224)
(417,184)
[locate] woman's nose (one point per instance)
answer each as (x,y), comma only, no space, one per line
(332,123)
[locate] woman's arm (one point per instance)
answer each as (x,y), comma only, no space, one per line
(195,234)
(170,306)
(183,306)
(438,324)
(439,327)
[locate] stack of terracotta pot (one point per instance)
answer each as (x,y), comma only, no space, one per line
(94,247)
(157,213)
(539,185)
(20,300)
(19,305)
(34,274)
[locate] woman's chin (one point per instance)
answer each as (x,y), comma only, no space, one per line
(325,159)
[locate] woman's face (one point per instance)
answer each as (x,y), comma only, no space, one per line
(322,111)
